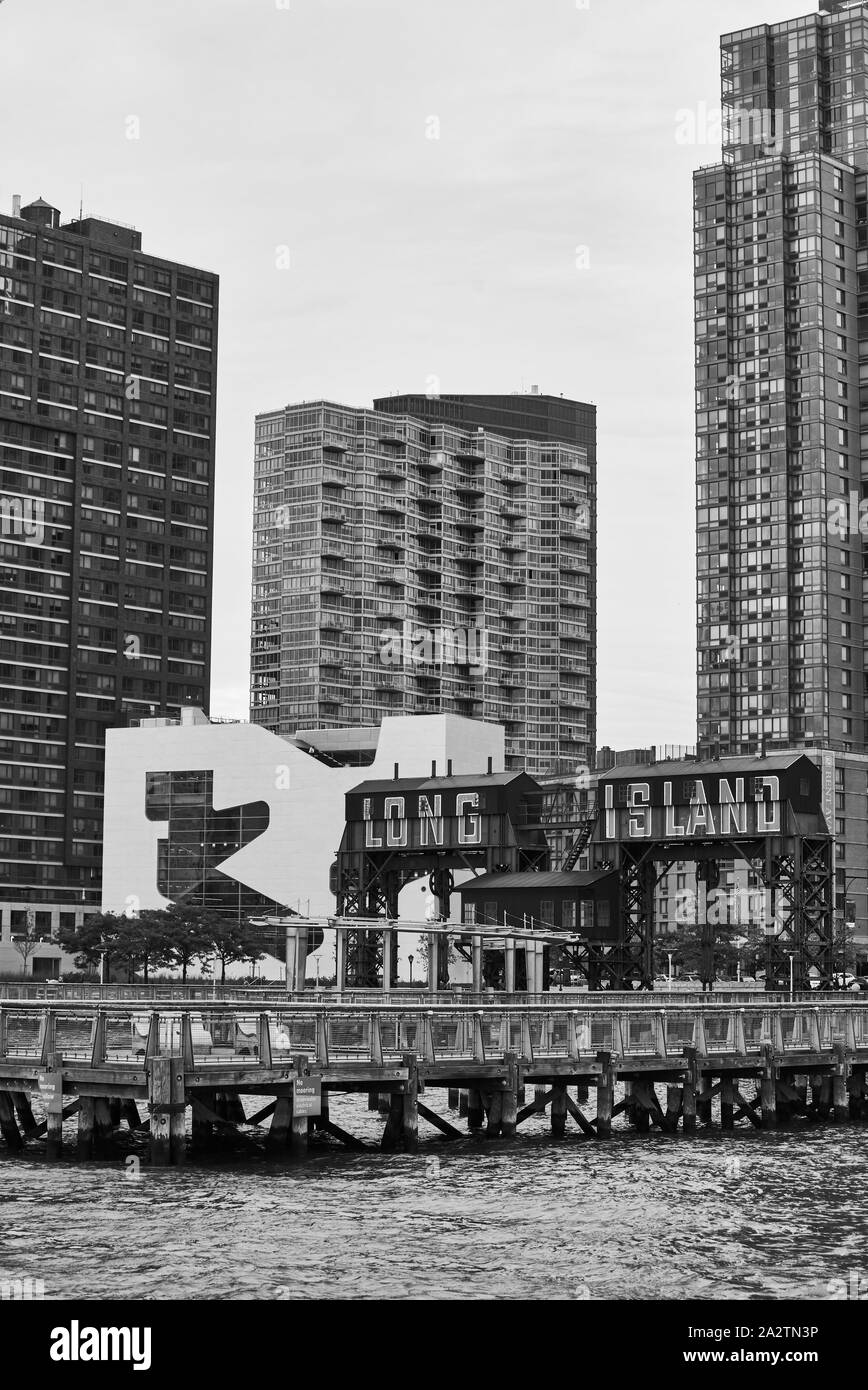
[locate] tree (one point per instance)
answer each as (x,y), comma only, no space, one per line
(26,944)
(94,938)
(231,944)
(179,934)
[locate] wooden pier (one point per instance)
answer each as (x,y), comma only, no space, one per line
(147,1068)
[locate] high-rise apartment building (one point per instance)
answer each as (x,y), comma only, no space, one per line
(107,380)
(403,565)
(781,262)
(781,265)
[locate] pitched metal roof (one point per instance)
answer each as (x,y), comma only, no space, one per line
(560,878)
(705,767)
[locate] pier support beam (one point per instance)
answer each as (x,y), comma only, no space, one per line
(509,1104)
(130,1113)
(605,1095)
(688,1091)
(673,1107)
(559,1109)
(462,1104)
(103,1129)
(202,1128)
(54,1108)
(475,1110)
(8,1127)
(86,1129)
(768,1090)
(727,1103)
(411,1105)
(395,1122)
(277,1138)
(704,1099)
(178,1116)
(160,1104)
(26,1119)
(840,1097)
(495,1113)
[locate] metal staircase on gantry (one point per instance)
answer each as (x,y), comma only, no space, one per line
(582,840)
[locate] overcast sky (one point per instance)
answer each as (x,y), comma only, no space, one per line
(308,125)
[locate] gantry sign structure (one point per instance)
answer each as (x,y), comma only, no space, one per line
(772,814)
(416,828)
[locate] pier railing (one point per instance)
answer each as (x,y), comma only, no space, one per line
(224,1034)
(200,993)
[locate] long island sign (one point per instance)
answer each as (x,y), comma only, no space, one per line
(706,801)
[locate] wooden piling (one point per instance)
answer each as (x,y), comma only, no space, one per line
(644,1100)
(54,1107)
(727,1103)
(629,1103)
(159,1104)
(688,1092)
(103,1130)
(704,1098)
(234,1108)
(8,1127)
(130,1114)
(411,1107)
(178,1117)
(452,1097)
(509,1102)
(86,1129)
(26,1118)
(768,1089)
(673,1107)
(475,1110)
(855,1087)
(395,1123)
(384,1102)
(605,1096)
(277,1138)
(299,1129)
(559,1109)
(115,1112)
(495,1114)
(462,1104)
(202,1129)
(582,1094)
(840,1097)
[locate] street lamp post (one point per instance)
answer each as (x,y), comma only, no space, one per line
(411,969)
(670,954)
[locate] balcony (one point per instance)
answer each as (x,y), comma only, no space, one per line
(471,483)
(463,516)
(331,583)
(514,540)
(333,511)
(335,622)
(511,475)
(393,505)
(334,546)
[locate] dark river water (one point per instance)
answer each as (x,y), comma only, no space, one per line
(746,1215)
